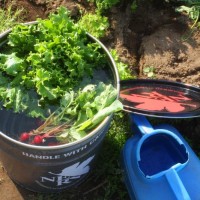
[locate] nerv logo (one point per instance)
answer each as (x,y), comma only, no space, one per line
(68,174)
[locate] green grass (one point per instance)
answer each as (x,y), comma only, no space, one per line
(9,17)
(109,159)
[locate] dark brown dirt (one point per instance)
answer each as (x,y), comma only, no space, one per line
(154,36)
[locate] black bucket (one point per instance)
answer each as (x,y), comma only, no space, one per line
(49,168)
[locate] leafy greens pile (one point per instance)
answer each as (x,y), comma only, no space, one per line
(42,70)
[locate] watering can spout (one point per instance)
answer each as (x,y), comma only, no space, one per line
(176,185)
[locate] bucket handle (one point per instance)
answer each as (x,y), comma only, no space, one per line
(176,185)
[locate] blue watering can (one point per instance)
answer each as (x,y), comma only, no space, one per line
(157,162)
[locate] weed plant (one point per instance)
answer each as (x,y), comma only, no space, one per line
(9,17)
(95,24)
(104,5)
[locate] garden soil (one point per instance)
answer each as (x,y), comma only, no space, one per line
(154,38)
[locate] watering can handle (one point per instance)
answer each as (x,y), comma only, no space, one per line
(142,123)
(176,185)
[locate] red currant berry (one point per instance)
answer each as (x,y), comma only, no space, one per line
(37,139)
(24,137)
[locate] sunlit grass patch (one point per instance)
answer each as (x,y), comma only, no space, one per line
(9,17)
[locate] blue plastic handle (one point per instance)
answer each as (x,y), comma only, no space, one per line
(176,185)
(142,123)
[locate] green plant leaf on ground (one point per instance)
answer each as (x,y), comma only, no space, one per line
(149,71)
(192,10)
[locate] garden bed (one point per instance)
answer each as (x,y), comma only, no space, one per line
(155,42)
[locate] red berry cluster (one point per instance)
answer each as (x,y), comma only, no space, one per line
(28,137)
(46,133)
